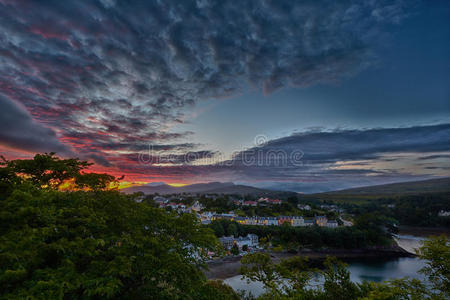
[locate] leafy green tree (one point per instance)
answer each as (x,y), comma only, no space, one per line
(436,252)
(235,249)
(218,228)
(286,280)
(93,181)
(400,289)
(49,171)
(232,229)
(337,284)
(245,248)
(94,244)
(216,289)
(97,244)
(291,278)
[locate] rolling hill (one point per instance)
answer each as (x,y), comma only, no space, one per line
(200,188)
(439,185)
(376,192)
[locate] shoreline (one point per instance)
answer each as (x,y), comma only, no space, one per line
(229,266)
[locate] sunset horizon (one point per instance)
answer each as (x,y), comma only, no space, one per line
(290,96)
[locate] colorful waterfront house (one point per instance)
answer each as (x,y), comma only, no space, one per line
(252,221)
(298,221)
(272,221)
(321,220)
(241,220)
(224,216)
(250,203)
(262,221)
(284,219)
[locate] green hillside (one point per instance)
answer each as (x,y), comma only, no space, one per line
(386,191)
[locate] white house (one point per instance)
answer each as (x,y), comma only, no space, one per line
(298,221)
(443,213)
(197,206)
(251,240)
(332,224)
(272,221)
(227,241)
(303,207)
(160,200)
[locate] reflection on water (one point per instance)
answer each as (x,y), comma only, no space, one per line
(381,270)
(360,270)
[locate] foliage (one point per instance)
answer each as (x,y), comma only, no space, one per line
(49,171)
(292,278)
(413,210)
(337,283)
(355,237)
(234,250)
(94,244)
(436,252)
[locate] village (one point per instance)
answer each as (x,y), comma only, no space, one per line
(207,216)
(242,244)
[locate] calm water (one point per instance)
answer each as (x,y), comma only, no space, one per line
(360,270)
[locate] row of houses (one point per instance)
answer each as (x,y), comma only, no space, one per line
(296,221)
(164,202)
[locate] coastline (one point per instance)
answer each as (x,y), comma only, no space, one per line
(229,266)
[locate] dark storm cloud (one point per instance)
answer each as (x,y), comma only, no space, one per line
(18,130)
(131,69)
(342,158)
(436,156)
(347,145)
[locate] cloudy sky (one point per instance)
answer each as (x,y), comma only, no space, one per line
(300,95)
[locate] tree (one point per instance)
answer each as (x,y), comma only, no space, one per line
(286,280)
(93,181)
(48,171)
(245,248)
(232,229)
(290,279)
(337,284)
(218,228)
(95,244)
(436,252)
(235,249)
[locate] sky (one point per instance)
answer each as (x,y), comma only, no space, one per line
(307,96)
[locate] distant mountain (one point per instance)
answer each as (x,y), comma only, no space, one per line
(200,188)
(411,187)
(155,184)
